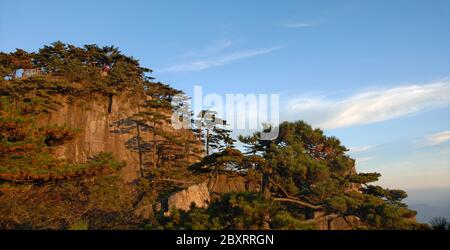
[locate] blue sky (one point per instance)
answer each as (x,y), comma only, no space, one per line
(373,73)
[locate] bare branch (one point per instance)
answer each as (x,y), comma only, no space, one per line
(301,203)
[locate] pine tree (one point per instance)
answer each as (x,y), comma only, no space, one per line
(210,130)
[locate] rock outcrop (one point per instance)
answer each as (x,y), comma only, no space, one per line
(196,194)
(202,194)
(222,184)
(95,117)
(105,126)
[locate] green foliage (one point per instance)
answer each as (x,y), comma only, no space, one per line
(284,220)
(165,148)
(220,139)
(343,204)
(382,215)
(212,132)
(100,202)
(391,195)
(242,211)
(364,178)
(440,223)
(79,225)
(194,219)
(303,162)
(67,69)
(234,211)
(305,166)
(227,160)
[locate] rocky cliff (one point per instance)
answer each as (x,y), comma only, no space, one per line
(95,116)
(104,126)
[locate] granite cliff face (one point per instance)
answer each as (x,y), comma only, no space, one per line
(95,117)
(197,194)
(104,126)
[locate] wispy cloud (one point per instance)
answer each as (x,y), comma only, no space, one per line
(214,49)
(296,25)
(360,149)
(211,57)
(364,159)
(437,138)
(370,106)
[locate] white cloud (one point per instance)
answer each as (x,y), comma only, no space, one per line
(370,106)
(364,159)
(437,139)
(359,149)
(219,60)
(297,25)
(217,47)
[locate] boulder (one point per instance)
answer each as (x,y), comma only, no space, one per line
(197,194)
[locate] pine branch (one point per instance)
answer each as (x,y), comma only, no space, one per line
(298,202)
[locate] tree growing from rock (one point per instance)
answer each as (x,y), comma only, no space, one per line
(211,130)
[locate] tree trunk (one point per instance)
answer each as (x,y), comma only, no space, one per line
(158,159)
(110,99)
(298,202)
(266,221)
(265,185)
(154,148)
(141,170)
(207,141)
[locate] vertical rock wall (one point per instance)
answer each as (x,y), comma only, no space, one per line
(96,120)
(105,126)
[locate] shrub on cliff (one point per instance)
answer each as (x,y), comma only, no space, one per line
(66,69)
